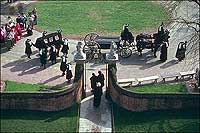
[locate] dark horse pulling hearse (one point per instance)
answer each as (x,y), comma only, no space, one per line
(148,41)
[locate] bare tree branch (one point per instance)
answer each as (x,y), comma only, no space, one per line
(196,1)
(188,23)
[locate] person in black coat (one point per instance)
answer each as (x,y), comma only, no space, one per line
(53,54)
(43,57)
(157,42)
(93,81)
(63,65)
(29,30)
(69,72)
(58,46)
(100,78)
(97,94)
(180,53)
(161,29)
(28,50)
(65,47)
(126,35)
(163,52)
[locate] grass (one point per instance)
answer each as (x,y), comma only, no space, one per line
(156,121)
(106,17)
(38,121)
(160,88)
(16,86)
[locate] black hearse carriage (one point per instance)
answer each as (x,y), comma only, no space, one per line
(103,42)
(94,43)
(49,39)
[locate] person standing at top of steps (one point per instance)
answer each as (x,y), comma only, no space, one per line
(93,81)
(101,78)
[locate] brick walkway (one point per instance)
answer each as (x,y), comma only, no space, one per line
(94,119)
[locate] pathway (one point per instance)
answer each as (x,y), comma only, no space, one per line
(94,119)
(16,66)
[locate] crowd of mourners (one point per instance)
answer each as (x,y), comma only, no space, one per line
(12,30)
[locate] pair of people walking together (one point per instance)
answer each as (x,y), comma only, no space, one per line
(97,83)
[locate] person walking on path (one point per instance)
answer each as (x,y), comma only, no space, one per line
(63,64)
(69,72)
(93,81)
(28,50)
(97,94)
(163,52)
(43,57)
(65,47)
(100,78)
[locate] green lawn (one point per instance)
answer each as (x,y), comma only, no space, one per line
(16,86)
(38,121)
(105,17)
(156,121)
(160,88)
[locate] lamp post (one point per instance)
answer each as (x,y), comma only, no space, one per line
(111,58)
(80,58)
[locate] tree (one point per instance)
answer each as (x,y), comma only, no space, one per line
(191,22)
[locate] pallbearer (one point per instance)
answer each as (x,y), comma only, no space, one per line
(43,57)
(53,54)
(65,47)
(63,65)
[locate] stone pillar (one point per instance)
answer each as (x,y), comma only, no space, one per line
(80,58)
(111,59)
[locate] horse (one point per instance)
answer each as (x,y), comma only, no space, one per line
(143,41)
(153,42)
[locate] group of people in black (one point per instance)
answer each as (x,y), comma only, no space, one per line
(160,40)
(65,67)
(97,83)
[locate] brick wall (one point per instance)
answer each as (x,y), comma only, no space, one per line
(43,101)
(143,102)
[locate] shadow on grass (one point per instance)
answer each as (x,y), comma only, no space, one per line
(38,115)
(39,121)
(156,121)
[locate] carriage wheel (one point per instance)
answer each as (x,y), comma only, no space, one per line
(125,52)
(89,38)
(89,50)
